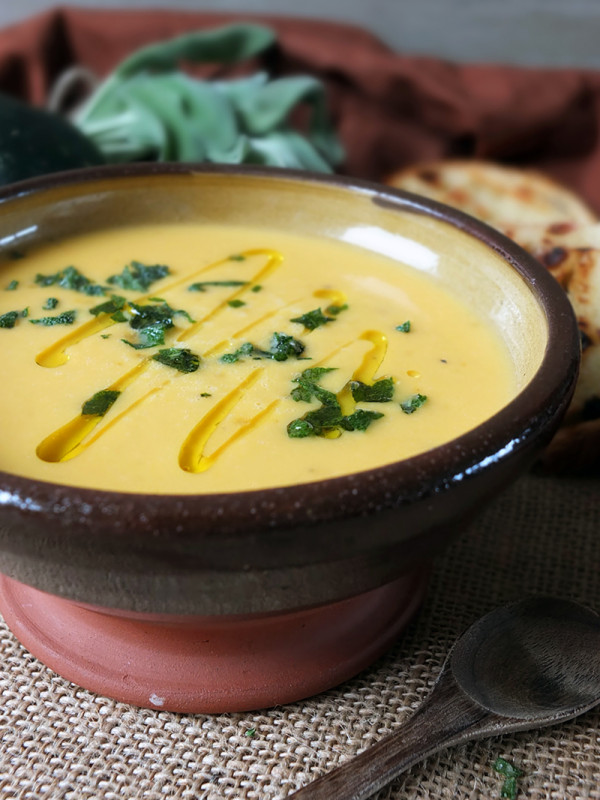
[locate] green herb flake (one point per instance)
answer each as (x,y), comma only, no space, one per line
(12,286)
(283,347)
(138,277)
(335,310)
(105,335)
(149,336)
(250,732)
(150,323)
(410,406)
(66,318)
(404,327)
(300,429)
(205,394)
(143,314)
(237,257)
(50,304)
(316,423)
(313,319)
(256,288)
(381,391)
(202,285)
(309,388)
(236,303)
(360,420)
(245,350)
(511,774)
(179,358)
(100,403)
(9,319)
(112,306)
(71,278)
(314,374)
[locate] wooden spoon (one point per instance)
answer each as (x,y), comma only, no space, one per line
(524,666)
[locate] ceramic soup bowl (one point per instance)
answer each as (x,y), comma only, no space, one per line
(242,598)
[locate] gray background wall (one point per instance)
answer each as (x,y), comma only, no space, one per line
(530,32)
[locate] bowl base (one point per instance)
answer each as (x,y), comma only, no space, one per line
(217,664)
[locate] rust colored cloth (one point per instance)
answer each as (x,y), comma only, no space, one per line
(390,110)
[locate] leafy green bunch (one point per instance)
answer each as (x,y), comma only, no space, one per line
(150,110)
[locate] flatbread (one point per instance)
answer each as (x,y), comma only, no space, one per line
(501,196)
(563,233)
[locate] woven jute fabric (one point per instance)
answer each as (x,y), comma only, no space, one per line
(541,537)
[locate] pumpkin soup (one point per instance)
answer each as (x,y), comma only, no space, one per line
(193,359)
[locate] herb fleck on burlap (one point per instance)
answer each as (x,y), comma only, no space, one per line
(542,536)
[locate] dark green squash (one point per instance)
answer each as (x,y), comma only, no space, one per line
(36,142)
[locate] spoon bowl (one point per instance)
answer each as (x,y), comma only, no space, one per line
(535,660)
(523,666)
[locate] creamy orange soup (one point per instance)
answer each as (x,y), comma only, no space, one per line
(194,359)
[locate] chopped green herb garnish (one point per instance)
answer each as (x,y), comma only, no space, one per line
(360,420)
(201,287)
(50,304)
(256,288)
(335,310)
(314,374)
(150,322)
(105,335)
(329,416)
(300,429)
(237,257)
(179,358)
(510,773)
(250,732)
(283,347)
(66,318)
(308,387)
(205,394)
(414,402)
(404,328)
(139,277)
(100,403)
(245,350)
(316,423)
(9,319)
(112,306)
(149,336)
(25,312)
(71,278)
(312,319)
(236,303)
(381,391)
(12,286)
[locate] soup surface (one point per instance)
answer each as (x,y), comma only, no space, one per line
(194,359)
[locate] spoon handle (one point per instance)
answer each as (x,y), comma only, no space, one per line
(447,717)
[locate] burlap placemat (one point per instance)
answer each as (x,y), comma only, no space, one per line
(542,536)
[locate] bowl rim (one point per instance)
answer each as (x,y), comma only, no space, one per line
(543,399)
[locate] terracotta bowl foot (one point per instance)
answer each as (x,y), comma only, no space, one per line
(196,664)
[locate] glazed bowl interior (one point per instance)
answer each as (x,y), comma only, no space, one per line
(283,547)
